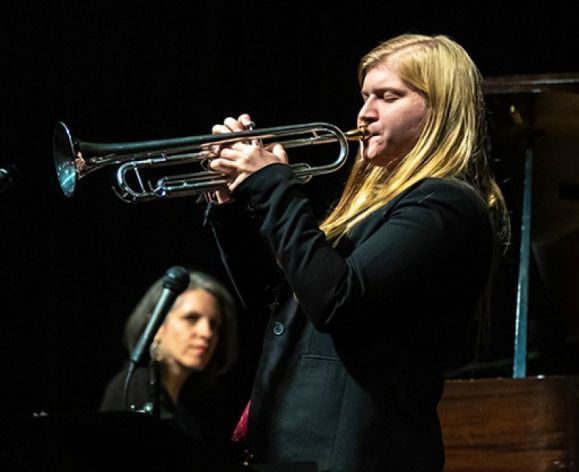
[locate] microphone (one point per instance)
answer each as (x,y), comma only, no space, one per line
(9,177)
(175,281)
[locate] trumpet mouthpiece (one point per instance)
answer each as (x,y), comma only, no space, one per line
(358,134)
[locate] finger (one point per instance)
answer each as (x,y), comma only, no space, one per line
(243,147)
(204,163)
(233,124)
(280,153)
(225,166)
(249,124)
(236,181)
(215,149)
(220,129)
(246,121)
(222,195)
(216,130)
(236,152)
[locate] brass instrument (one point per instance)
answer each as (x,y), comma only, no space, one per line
(75,159)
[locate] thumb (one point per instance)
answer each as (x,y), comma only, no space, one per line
(280,153)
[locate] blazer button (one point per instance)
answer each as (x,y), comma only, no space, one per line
(250,209)
(278,328)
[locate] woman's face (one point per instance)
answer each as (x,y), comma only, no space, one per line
(190,333)
(394,114)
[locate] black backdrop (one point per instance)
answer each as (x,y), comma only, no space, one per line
(72,269)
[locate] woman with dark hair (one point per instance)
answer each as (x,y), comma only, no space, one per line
(194,346)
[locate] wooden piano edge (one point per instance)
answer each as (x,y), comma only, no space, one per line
(511,425)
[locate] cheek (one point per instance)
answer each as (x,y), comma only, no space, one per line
(175,337)
(408,128)
(416,117)
(213,343)
(410,133)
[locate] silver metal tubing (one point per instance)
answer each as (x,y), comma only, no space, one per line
(74,159)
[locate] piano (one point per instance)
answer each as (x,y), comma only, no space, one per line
(521,412)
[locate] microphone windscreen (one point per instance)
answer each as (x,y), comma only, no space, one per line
(9,177)
(176,279)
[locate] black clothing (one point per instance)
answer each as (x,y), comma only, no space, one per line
(350,372)
(202,411)
(104,441)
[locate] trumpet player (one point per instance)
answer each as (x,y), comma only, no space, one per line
(369,303)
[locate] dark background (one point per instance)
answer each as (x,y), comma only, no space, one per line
(71,270)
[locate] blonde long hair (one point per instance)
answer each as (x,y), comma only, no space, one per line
(453,142)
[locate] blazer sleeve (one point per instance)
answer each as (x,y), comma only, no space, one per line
(245,256)
(421,246)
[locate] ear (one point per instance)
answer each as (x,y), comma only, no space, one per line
(160,333)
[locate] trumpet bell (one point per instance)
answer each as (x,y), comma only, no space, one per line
(64,159)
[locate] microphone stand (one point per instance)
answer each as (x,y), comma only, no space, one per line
(175,281)
(9,177)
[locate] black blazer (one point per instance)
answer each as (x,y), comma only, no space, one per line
(350,372)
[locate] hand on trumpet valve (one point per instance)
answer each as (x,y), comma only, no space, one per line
(241,159)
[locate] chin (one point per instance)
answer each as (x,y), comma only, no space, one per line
(371,154)
(380,159)
(195,364)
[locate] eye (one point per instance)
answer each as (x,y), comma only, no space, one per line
(390,97)
(191,318)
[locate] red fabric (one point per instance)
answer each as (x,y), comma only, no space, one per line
(241,428)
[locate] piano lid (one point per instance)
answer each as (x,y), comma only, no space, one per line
(541,113)
(509,84)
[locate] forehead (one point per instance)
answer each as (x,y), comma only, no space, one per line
(198,300)
(383,76)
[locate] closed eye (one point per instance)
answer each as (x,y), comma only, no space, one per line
(192,317)
(390,97)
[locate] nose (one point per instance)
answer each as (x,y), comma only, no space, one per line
(203,328)
(367,113)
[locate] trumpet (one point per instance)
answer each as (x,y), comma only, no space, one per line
(74,159)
